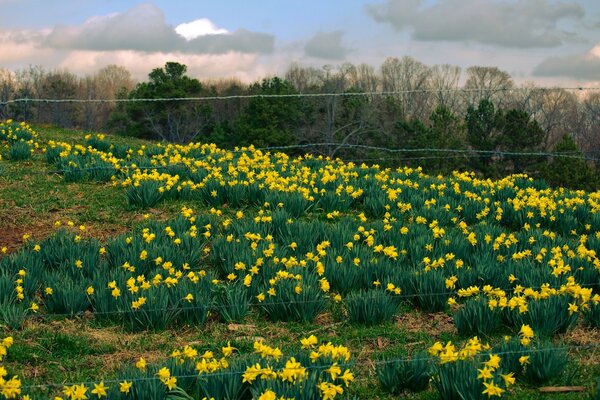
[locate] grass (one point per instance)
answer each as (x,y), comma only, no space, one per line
(33,197)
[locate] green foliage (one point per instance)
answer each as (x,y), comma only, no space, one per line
(68,296)
(175,121)
(481,132)
(19,151)
(370,307)
(592,315)
(12,315)
(233,302)
(225,385)
(458,381)
(430,291)
(511,350)
(569,172)
(145,195)
(288,305)
(269,121)
(491,130)
(545,363)
(545,316)
(475,318)
(397,376)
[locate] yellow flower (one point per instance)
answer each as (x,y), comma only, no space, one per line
(125,386)
(509,379)
(436,348)
(493,362)
(485,373)
(524,360)
(347,377)
(141,364)
(268,395)
(100,390)
(228,350)
(492,390)
(260,297)
(309,342)
(573,308)
(48,291)
(334,371)
(329,390)
(189,298)
(89,291)
(34,307)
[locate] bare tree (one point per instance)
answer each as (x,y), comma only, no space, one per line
(58,85)
(487,83)
(29,86)
(364,78)
(412,77)
(7,90)
(304,79)
(444,82)
(588,138)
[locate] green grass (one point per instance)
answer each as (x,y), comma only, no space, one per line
(33,197)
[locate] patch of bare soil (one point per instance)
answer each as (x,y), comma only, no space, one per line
(432,323)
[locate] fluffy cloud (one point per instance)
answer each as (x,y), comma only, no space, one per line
(582,67)
(204,66)
(22,47)
(199,27)
(519,24)
(326,45)
(143,28)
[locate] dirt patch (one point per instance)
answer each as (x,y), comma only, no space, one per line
(584,336)
(11,236)
(433,324)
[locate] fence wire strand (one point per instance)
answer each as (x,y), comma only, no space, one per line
(344,365)
(301,95)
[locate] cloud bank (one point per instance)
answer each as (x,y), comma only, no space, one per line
(326,45)
(582,67)
(143,28)
(518,24)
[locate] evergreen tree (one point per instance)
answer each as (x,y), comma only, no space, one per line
(175,121)
(570,172)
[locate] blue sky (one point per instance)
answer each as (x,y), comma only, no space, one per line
(546,41)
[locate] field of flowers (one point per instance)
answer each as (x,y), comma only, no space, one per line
(316,246)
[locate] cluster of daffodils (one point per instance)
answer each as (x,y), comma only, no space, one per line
(10,388)
(19,139)
(323,371)
(471,366)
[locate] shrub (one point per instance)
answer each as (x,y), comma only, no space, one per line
(19,151)
(475,318)
(370,307)
(396,376)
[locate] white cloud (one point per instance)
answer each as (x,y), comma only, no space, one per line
(515,23)
(199,27)
(140,64)
(326,45)
(581,67)
(143,28)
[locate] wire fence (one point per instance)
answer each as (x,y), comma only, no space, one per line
(343,365)
(302,95)
(215,308)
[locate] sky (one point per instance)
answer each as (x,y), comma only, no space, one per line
(548,42)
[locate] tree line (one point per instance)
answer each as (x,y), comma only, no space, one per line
(436,107)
